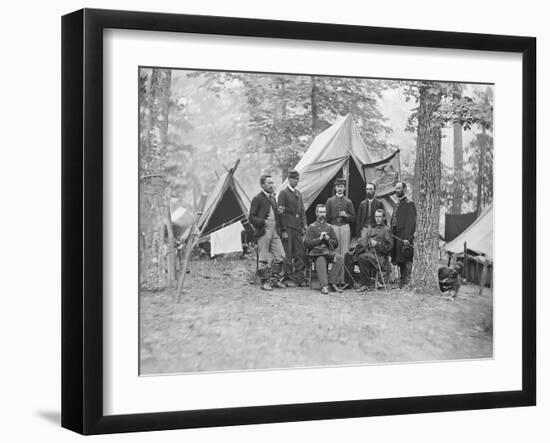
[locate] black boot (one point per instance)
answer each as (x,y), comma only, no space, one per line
(264,279)
(276,277)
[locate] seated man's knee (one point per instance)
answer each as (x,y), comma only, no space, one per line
(320,260)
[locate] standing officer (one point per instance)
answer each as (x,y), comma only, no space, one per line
(264,216)
(367,209)
(403,226)
(340,214)
(293,226)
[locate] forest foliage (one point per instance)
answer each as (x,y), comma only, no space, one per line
(206,120)
(269,121)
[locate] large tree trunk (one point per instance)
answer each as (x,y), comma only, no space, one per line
(158,255)
(480,166)
(415,184)
(428,158)
(458,169)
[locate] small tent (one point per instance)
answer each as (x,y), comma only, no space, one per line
(226,206)
(336,152)
(478,237)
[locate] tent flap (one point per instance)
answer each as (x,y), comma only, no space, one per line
(478,237)
(329,155)
(226,204)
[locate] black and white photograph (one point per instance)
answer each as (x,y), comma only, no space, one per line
(292,220)
(275,221)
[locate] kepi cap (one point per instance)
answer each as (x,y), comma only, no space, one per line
(293,173)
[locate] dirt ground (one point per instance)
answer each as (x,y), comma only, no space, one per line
(225,322)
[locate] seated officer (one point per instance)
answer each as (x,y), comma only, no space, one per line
(321,241)
(378,244)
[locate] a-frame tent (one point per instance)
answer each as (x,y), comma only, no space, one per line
(478,237)
(338,151)
(226,204)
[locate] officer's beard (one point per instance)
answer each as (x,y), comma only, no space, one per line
(370,195)
(399,194)
(322,219)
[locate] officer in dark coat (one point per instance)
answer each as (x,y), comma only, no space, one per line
(403,226)
(265,218)
(378,245)
(321,241)
(293,226)
(367,209)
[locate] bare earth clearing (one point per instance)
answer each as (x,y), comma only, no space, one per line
(226,323)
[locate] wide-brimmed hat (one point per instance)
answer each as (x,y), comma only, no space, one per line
(407,251)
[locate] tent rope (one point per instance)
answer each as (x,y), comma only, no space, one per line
(223,225)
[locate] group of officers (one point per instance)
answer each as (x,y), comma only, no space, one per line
(286,242)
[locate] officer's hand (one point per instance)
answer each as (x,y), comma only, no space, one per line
(343,214)
(281,209)
(406,242)
(284,234)
(373,242)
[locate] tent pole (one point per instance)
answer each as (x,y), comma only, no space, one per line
(186,257)
(399,164)
(192,240)
(195,235)
(346,175)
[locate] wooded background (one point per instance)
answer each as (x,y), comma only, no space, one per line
(194,124)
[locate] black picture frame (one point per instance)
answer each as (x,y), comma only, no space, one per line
(82,219)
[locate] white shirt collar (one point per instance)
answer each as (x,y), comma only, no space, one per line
(266,194)
(291,188)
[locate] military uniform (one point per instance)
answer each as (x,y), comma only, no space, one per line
(341,225)
(322,251)
(293,223)
(403,226)
(264,217)
(375,256)
(365,215)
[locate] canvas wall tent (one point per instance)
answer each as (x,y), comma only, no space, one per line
(336,152)
(478,237)
(227,204)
